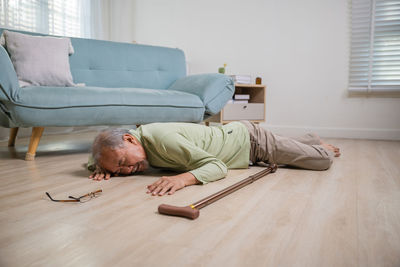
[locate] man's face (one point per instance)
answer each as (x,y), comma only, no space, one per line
(125,161)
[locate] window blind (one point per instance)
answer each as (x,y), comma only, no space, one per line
(56,17)
(375,46)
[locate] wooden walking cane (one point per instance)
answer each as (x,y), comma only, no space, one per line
(193,211)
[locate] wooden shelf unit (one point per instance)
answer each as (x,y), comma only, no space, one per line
(253,111)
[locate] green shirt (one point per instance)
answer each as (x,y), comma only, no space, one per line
(206,152)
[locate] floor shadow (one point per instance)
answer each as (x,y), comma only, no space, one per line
(53,149)
(158,172)
(11,153)
(81,173)
(151,172)
(7,152)
(295,168)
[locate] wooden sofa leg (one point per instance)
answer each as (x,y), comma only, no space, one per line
(33,144)
(13,135)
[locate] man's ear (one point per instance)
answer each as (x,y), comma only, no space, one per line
(131,139)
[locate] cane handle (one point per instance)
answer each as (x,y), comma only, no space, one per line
(188,211)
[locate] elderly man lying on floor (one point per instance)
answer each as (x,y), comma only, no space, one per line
(203,154)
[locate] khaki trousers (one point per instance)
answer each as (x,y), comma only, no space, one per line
(305,152)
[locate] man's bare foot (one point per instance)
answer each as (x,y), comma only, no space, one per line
(332,148)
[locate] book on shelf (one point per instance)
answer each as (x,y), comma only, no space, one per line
(232,101)
(240,101)
(242,79)
(241,97)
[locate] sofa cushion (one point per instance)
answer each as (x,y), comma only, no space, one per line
(3,39)
(64,97)
(214,89)
(84,106)
(111,64)
(39,60)
(103,115)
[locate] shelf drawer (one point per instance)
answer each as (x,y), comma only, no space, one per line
(250,111)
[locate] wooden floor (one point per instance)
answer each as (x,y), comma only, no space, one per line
(346,216)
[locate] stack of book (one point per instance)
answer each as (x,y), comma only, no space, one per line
(239,99)
(241,78)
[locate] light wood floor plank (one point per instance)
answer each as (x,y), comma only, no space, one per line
(378,204)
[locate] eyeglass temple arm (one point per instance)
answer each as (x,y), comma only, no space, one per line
(49,196)
(55,200)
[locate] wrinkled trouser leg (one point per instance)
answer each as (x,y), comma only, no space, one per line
(308,139)
(305,152)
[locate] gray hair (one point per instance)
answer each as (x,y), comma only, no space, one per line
(110,138)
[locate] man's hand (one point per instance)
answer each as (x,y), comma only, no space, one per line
(170,184)
(100,174)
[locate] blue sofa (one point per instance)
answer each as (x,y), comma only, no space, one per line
(125,84)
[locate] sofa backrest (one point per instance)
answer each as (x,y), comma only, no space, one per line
(112,64)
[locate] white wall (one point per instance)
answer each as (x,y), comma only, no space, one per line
(299,48)
(121,27)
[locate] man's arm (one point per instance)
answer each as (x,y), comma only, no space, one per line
(203,167)
(171,184)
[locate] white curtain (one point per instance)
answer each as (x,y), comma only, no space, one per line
(56,17)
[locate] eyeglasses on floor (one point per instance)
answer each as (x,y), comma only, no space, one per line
(82,199)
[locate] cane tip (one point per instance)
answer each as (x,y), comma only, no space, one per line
(273,167)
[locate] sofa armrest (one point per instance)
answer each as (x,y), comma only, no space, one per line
(8,78)
(213,89)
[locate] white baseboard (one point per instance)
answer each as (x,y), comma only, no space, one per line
(327,132)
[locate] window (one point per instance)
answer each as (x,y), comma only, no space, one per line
(375,46)
(56,17)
